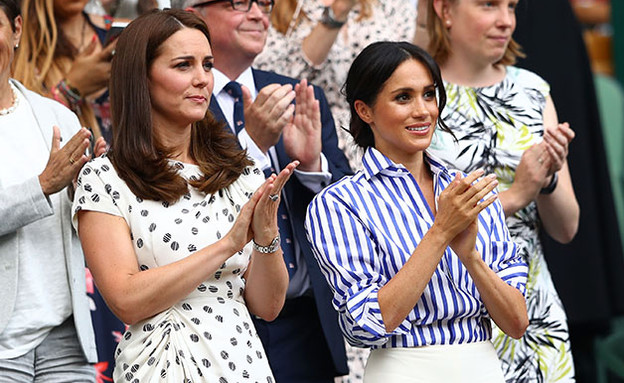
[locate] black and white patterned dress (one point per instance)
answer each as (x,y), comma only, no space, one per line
(207,336)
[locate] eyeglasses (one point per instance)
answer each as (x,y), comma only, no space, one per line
(266,6)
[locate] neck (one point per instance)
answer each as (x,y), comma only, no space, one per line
(6,93)
(177,141)
(230,68)
(75,28)
(471,73)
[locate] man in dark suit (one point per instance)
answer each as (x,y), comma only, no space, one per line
(304,344)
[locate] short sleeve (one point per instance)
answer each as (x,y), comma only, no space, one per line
(94,193)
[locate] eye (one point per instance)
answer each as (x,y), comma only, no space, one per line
(208,65)
(402,97)
(429,95)
(182,65)
(512,5)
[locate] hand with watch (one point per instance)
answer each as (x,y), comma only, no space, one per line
(257,220)
(335,15)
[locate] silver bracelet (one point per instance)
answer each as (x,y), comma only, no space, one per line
(270,249)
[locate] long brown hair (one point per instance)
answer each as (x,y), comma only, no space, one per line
(440,41)
(139,158)
(46,54)
(284,10)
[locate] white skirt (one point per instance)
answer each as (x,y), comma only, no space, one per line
(457,363)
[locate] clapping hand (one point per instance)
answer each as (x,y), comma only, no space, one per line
(459,206)
(268,114)
(64,163)
(557,141)
(258,217)
(302,137)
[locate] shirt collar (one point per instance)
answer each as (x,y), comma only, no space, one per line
(375,162)
(246,78)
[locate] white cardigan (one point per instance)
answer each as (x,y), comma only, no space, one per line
(25,203)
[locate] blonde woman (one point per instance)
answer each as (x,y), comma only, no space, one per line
(62,56)
(319,39)
(504,121)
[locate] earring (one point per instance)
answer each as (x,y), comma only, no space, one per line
(448,23)
(16,45)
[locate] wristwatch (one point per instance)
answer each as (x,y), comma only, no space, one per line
(270,249)
(329,19)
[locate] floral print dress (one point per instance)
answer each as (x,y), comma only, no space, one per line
(494,125)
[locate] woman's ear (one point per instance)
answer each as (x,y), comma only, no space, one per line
(364,111)
(18,31)
(441,8)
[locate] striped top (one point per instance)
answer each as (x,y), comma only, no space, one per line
(364,228)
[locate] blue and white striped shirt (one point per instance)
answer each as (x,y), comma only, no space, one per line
(364,228)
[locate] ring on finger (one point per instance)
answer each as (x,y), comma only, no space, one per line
(72,161)
(274,197)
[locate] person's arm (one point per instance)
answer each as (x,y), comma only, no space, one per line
(28,202)
(266,276)
(502,281)
(134,295)
(318,43)
(559,210)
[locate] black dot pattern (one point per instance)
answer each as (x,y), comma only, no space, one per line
(207,336)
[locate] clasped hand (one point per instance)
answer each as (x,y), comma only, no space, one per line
(273,114)
(542,160)
(459,206)
(258,217)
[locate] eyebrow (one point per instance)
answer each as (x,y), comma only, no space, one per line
(190,57)
(410,89)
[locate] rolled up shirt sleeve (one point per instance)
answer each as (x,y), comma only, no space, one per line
(349,259)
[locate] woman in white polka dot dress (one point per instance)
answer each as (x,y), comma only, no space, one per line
(179,244)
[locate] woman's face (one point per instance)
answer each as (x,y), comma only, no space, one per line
(180,79)
(479,29)
(404,115)
(8,40)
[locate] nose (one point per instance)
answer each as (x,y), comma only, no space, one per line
(255,11)
(419,108)
(202,78)
(506,16)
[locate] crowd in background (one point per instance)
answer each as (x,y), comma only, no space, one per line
(529,116)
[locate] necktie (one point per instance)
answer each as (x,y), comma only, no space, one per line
(286,234)
(234,89)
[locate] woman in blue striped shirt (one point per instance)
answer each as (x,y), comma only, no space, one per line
(418,256)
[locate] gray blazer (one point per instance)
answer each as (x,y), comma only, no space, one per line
(23,204)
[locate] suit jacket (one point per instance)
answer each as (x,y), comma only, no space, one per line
(339,167)
(23,204)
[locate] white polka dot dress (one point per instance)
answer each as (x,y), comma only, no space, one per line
(207,336)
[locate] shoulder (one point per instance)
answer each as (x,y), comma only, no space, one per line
(341,190)
(527,79)
(41,105)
